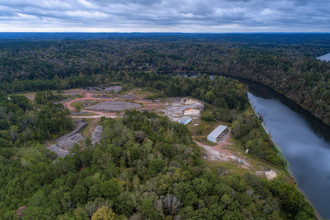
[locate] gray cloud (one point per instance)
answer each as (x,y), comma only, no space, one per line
(166,15)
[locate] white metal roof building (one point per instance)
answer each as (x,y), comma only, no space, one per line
(217,133)
(185,120)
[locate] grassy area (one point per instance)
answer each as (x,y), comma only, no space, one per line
(148,94)
(86,114)
(105,95)
(203,140)
(126,88)
(256,163)
(29,95)
(91,123)
(79,105)
(203,127)
(226,166)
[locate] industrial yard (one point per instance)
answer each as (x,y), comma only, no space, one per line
(96,102)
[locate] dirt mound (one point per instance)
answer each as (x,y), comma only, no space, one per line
(68,140)
(113,106)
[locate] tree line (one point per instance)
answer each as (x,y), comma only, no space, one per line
(279,63)
(22,121)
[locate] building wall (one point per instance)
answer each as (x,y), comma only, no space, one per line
(212,139)
(216,139)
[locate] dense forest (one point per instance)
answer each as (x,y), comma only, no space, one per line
(227,100)
(285,63)
(23,123)
(146,167)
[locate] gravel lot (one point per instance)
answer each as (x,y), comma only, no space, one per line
(113,106)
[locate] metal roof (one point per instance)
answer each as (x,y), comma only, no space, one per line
(216,132)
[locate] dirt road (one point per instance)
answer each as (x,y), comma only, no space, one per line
(218,153)
(147,105)
(88,96)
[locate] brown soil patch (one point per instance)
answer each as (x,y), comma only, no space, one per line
(31,96)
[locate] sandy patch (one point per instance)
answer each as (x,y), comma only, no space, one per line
(191,101)
(271,174)
(192,112)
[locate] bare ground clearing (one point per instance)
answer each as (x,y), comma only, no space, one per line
(174,108)
(113,106)
(177,107)
(222,152)
(218,153)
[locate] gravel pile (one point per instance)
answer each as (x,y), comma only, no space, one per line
(113,106)
(60,152)
(96,135)
(115,89)
(178,107)
(66,142)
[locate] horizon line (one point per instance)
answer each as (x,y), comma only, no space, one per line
(135,32)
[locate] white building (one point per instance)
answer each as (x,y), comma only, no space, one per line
(217,133)
(185,120)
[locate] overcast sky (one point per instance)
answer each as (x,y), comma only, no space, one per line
(165,15)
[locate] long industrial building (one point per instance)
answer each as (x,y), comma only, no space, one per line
(217,133)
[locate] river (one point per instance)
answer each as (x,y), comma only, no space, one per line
(304,140)
(325,57)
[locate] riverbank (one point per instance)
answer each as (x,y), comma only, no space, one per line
(281,155)
(305,145)
(279,93)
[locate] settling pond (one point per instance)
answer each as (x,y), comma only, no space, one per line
(304,140)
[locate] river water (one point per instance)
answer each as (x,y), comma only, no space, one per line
(325,57)
(304,140)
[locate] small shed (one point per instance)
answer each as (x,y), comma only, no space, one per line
(185,120)
(217,133)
